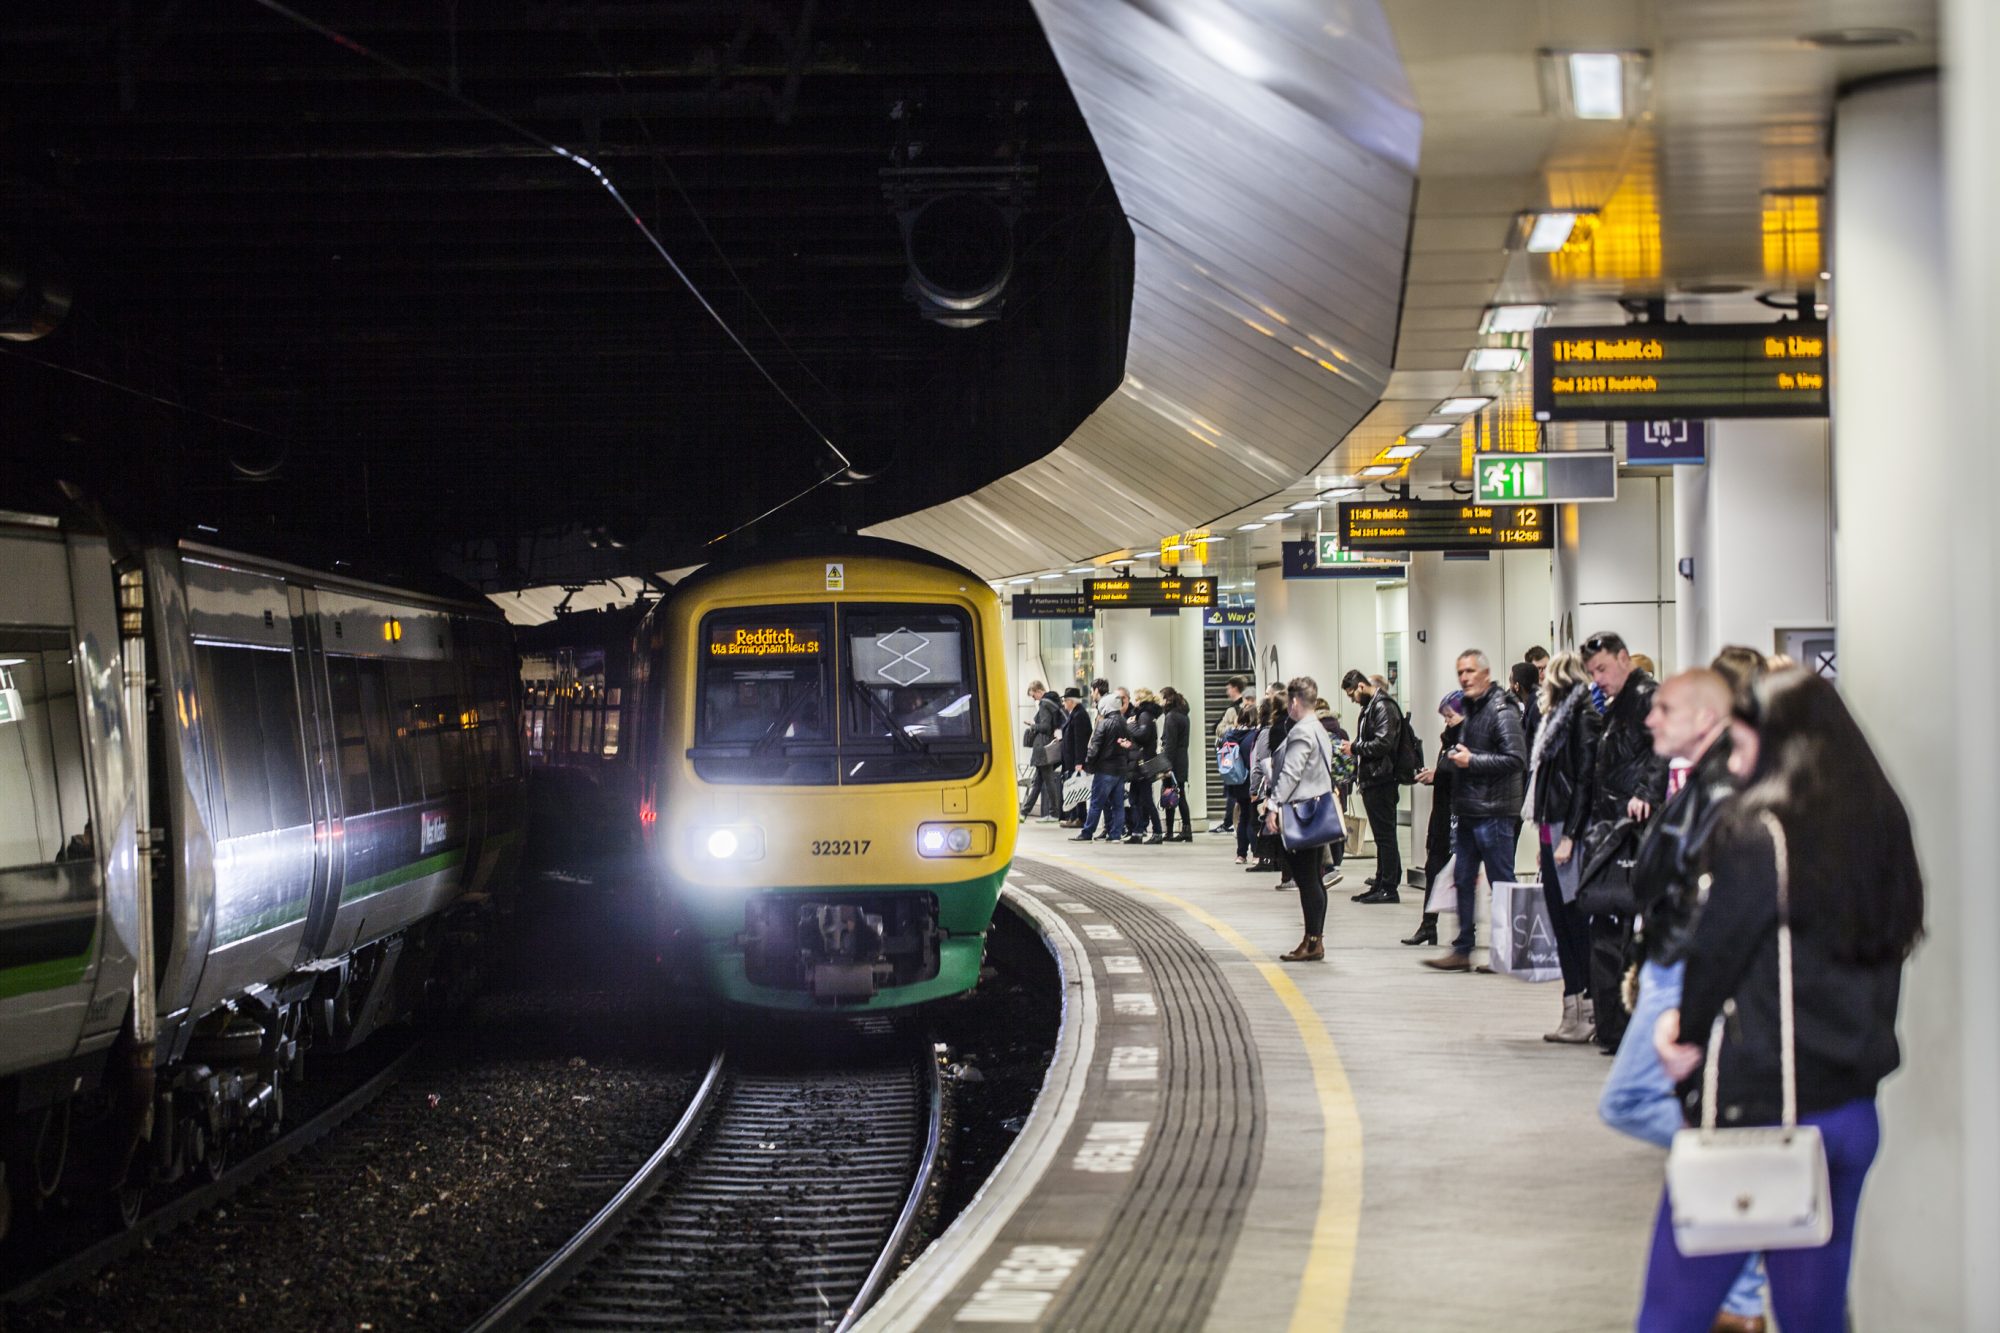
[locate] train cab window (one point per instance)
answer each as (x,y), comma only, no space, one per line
(911,704)
(256,755)
(44,813)
(765,710)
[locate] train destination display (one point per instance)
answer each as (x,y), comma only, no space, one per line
(1142,594)
(1638,372)
(1443,525)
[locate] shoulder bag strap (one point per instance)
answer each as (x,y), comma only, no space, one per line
(1787,1058)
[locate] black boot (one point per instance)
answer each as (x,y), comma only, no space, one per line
(1427,930)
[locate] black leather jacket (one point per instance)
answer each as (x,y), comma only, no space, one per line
(1626,765)
(1845,1012)
(1437,838)
(1492,783)
(1375,733)
(1562,776)
(1672,856)
(1144,728)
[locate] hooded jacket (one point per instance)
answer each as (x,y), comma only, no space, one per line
(1626,765)
(1106,757)
(1493,782)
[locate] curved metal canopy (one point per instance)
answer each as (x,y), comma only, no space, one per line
(1265,154)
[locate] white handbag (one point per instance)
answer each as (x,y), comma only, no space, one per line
(1734,1191)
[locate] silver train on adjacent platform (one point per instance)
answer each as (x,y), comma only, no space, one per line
(245,808)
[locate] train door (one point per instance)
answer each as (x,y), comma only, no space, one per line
(322,774)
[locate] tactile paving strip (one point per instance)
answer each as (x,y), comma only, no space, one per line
(1136,1223)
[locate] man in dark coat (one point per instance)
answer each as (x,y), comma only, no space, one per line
(1377,733)
(1491,759)
(1628,781)
(1075,747)
(1045,738)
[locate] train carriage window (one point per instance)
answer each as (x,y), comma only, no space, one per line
(44,812)
(362,724)
(256,755)
(910,699)
(765,711)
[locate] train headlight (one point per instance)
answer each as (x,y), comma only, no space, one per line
(954,839)
(728,842)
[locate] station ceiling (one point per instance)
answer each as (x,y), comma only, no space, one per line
(324,302)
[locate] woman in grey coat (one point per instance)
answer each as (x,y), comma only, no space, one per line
(1302,769)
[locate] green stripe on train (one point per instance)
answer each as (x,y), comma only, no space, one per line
(50,974)
(389,879)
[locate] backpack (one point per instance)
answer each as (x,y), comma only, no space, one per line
(1408,756)
(1231,763)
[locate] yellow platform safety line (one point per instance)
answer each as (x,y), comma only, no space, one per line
(1329,1272)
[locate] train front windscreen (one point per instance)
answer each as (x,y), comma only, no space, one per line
(816,695)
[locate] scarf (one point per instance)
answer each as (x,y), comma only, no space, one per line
(1555,727)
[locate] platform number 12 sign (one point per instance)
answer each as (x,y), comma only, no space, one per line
(836,578)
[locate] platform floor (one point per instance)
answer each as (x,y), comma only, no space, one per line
(1470,1183)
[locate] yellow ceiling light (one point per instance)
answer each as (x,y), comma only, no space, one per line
(1792,231)
(1620,241)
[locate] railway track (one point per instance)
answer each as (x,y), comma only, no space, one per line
(782,1199)
(192,1202)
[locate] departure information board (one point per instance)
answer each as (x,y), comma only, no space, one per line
(1645,372)
(1443,525)
(1051,606)
(1145,594)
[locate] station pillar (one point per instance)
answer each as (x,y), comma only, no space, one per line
(1614,570)
(1916,331)
(1753,540)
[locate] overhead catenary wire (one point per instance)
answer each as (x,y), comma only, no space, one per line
(597,173)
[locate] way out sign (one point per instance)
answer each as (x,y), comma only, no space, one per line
(1560,478)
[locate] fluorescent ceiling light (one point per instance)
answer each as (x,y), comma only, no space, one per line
(1597,85)
(1512,318)
(1019,581)
(1144,555)
(1459,407)
(1403,451)
(1340,492)
(1278,517)
(1430,430)
(1308,504)
(1495,358)
(1084,569)
(1381,470)
(1055,576)
(1248,527)
(1549,232)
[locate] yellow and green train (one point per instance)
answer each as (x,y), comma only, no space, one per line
(823,793)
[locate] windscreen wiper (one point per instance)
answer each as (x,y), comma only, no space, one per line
(776,731)
(904,740)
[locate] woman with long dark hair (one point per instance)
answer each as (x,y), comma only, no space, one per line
(1174,745)
(1564,753)
(1817,814)
(1524,682)
(1437,836)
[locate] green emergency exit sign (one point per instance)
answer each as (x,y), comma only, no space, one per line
(1571,477)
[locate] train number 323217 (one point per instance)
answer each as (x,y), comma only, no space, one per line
(841,846)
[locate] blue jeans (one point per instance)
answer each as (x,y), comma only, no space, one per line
(1487,841)
(1639,1101)
(1808,1287)
(1107,798)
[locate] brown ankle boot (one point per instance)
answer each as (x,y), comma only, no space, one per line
(1312,949)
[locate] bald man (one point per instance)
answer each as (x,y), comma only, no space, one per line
(1689,724)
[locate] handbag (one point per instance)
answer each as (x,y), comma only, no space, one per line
(1076,790)
(1313,822)
(1605,884)
(1028,737)
(1154,767)
(1762,1188)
